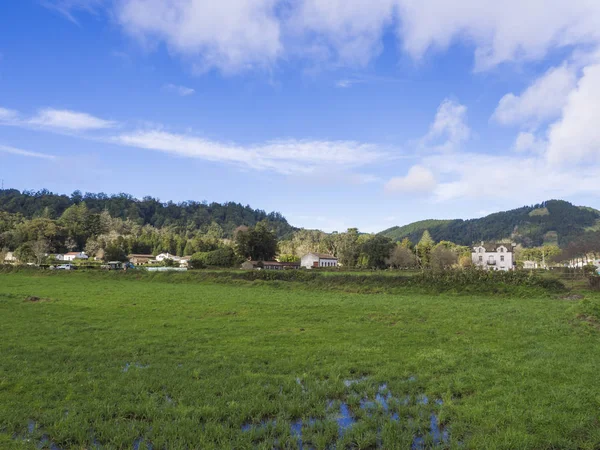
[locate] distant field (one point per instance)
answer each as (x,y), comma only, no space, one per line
(121,361)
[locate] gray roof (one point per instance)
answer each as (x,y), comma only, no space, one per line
(493,247)
(323,255)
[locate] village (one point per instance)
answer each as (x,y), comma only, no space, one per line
(484,256)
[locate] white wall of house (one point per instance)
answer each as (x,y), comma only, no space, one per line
(10,257)
(309,260)
(501,259)
(326,262)
(73,257)
(164,256)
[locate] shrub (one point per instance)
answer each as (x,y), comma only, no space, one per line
(222,257)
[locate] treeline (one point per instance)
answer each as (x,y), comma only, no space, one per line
(374,251)
(184,216)
(529,226)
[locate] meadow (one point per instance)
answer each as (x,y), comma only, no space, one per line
(125,360)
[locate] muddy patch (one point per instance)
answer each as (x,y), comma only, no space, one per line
(35,299)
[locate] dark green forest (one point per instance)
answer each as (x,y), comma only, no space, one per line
(36,223)
(554,221)
(147,211)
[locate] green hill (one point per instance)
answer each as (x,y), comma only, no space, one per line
(190,215)
(413,229)
(553,221)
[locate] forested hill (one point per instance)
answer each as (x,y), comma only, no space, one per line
(554,221)
(189,215)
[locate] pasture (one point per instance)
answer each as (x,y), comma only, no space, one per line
(120,361)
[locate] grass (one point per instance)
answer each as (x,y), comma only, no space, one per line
(113,359)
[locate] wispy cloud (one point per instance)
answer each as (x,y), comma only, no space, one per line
(348,82)
(182,91)
(287,156)
(68,8)
(20,152)
(449,130)
(69,120)
(55,119)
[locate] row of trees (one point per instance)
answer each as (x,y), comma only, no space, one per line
(189,216)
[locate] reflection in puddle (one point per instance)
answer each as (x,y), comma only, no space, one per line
(381,404)
(135,365)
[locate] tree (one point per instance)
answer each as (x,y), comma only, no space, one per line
(442,257)
(25,253)
(288,258)
(401,258)
(3,253)
(424,248)
(376,251)
(258,243)
(347,247)
(40,249)
(114,252)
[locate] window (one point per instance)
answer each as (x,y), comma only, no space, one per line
(501,249)
(502,258)
(481,259)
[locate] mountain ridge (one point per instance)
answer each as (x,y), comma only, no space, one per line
(552,221)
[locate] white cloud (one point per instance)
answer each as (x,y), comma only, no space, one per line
(68,120)
(529,142)
(182,91)
(234,35)
(283,156)
(419,179)
(68,8)
(8,115)
(18,151)
(449,130)
(541,101)
(350,30)
(576,136)
(348,82)
(511,30)
(489,177)
(230,35)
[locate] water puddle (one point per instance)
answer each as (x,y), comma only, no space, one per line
(381,404)
(135,365)
(141,444)
(439,434)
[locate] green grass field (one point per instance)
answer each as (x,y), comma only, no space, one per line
(121,361)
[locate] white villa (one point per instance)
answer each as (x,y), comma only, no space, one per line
(493,256)
(72,256)
(311,260)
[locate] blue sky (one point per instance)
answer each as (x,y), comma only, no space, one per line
(334,113)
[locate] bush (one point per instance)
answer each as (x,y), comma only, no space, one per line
(222,257)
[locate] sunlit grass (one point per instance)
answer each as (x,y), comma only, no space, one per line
(108,360)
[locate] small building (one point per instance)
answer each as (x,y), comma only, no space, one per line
(531,265)
(269,265)
(140,259)
(493,256)
(10,258)
(162,256)
(72,256)
(312,260)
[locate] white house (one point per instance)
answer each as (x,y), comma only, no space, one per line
(181,260)
(311,260)
(163,256)
(10,258)
(72,256)
(493,256)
